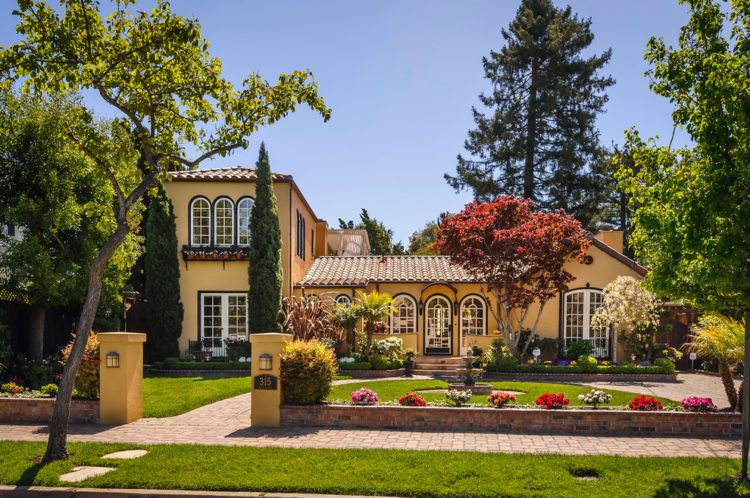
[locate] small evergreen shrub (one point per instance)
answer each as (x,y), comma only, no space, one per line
(49,390)
(356,365)
(665,364)
(577,348)
(307,370)
(587,363)
(87,380)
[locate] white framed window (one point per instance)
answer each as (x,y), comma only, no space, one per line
(223,222)
(579,307)
(473,316)
(200,222)
(244,207)
(343,299)
(404,315)
(223,316)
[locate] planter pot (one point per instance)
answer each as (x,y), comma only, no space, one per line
(409,368)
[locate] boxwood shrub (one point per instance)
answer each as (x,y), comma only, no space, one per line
(357,365)
(177,364)
(307,370)
(600,369)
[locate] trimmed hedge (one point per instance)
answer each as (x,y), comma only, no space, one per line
(170,364)
(357,365)
(600,369)
(366,365)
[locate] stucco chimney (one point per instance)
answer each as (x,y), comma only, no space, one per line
(613,238)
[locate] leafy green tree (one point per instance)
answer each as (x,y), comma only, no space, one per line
(154,70)
(422,242)
(162,272)
(538,137)
(264,271)
(381,238)
(53,194)
(692,208)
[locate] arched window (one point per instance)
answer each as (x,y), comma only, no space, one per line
(404,316)
(200,222)
(343,299)
(244,206)
(579,307)
(473,316)
(223,222)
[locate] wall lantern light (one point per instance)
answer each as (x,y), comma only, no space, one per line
(113,360)
(265,362)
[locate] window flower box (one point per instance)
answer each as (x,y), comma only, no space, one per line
(215,253)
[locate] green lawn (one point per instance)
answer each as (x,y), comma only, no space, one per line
(393,389)
(169,396)
(378,472)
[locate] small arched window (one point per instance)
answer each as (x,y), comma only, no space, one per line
(200,222)
(244,207)
(343,299)
(473,316)
(404,315)
(223,222)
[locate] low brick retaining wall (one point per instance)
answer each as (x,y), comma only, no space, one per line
(373,374)
(82,411)
(206,374)
(579,377)
(513,420)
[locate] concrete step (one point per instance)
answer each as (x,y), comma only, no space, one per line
(437,366)
(447,360)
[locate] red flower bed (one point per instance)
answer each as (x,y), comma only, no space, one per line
(552,401)
(412,399)
(498,400)
(645,404)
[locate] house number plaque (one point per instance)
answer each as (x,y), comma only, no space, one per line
(265,382)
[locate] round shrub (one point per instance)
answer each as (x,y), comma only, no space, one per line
(49,390)
(665,364)
(587,363)
(87,379)
(307,370)
(578,347)
(412,399)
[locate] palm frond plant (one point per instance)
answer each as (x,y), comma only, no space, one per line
(345,317)
(307,318)
(720,338)
(373,308)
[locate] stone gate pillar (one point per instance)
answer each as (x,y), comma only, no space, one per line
(266,398)
(120,377)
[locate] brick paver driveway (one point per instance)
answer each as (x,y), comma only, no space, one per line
(227,422)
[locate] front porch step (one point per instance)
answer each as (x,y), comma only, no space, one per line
(438,366)
(447,360)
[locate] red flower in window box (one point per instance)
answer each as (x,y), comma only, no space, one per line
(202,255)
(552,401)
(225,256)
(645,404)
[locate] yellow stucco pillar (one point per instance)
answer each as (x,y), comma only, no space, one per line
(265,401)
(120,377)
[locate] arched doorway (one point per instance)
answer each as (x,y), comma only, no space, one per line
(438,325)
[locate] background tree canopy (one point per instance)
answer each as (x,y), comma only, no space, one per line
(381,238)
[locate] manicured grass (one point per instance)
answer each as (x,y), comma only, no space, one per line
(392,390)
(169,396)
(378,472)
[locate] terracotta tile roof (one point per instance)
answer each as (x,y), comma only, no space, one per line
(333,271)
(234,174)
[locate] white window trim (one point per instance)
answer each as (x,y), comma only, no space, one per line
(414,307)
(484,314)
(224,313)
(216,224)
(192,222)
(342,297)
(238,207)
(586,332)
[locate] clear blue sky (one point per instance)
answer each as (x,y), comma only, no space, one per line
(401,78)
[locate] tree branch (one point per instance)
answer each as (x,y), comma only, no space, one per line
(103,167)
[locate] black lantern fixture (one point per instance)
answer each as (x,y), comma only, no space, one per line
(113,360)
(265,362)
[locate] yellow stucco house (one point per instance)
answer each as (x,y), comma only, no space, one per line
(442,310)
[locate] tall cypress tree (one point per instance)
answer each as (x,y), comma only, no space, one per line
(264,272)
(537,137)
(162,287)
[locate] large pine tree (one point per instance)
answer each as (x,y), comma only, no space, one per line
(264,272)
(162,287)
(537,137)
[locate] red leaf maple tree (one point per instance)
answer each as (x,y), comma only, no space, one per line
(519,253)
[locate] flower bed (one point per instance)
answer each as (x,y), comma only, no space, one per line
(522,420)
(18,410)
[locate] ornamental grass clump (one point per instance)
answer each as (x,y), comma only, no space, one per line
(594,398)
(645,404)
(552,401)
(412,399)
(499,400)
(364,396)
(457,397)
(698,404)
(307,370)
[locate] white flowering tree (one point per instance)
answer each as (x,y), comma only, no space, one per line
(627,306)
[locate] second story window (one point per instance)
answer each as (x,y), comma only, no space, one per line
(200,222)
(244,206)
(223,222)
(301,231)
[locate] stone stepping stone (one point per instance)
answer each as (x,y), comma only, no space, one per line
(82,473)
(125,455)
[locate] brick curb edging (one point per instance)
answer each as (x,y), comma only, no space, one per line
(61,492)
(373,374)
(515,420)
(210,374)
(19,410)
(580,377)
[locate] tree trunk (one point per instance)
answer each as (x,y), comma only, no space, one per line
(528,168)
(36,332)
(58,429)
(725,372)
(746,397)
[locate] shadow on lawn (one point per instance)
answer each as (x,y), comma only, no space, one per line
(29,474)
(726,487)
